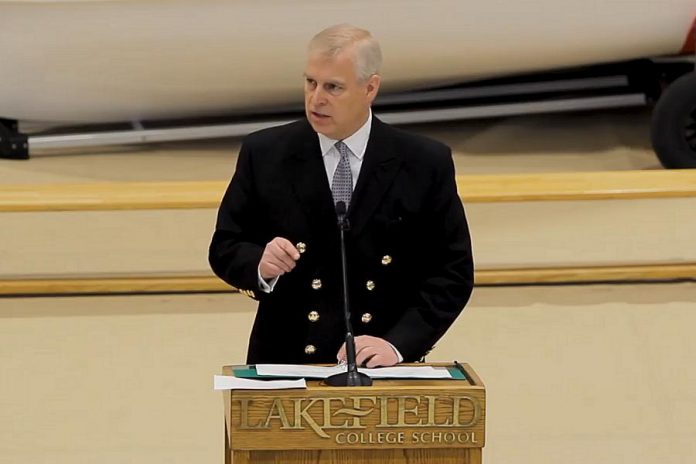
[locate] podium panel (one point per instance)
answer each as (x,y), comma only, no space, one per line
(393,421)
(367,456)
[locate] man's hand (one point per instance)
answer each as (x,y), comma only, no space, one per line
(371,352)
(278,257)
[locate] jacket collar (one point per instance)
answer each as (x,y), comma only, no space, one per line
(306,169)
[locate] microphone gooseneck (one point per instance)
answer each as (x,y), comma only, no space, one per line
(350,378)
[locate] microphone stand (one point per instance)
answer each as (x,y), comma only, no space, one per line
(350,378)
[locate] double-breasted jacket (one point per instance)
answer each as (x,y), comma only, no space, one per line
(409,256)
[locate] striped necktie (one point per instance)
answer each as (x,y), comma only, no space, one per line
(342,184)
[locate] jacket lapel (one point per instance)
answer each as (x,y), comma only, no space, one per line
(380,166)
(307,174)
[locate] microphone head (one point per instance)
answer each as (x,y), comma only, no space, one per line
(341,208)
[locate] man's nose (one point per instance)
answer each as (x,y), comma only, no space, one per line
(318,96)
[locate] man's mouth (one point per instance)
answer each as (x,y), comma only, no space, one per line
(319,115)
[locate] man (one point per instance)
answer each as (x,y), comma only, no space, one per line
(277,240)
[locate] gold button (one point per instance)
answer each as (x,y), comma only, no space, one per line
(248,293)
(313,316)
(370,285)
(386,260)
(301,247)
(316,284)
(310,349)
(367,317)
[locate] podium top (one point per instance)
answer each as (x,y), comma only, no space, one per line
(462,375)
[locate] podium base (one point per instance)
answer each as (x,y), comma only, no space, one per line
(349,379)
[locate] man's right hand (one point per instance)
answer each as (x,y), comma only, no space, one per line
(278,257)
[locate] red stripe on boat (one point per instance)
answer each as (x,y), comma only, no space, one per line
(690,42)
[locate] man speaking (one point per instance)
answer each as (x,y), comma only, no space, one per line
(409,260)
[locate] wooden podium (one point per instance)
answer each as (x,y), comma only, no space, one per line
(393,421)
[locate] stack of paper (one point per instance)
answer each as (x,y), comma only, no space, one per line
(226,382)
(319,372)
(301,371)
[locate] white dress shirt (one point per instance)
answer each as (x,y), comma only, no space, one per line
(357,143)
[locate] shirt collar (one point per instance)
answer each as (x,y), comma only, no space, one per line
(356,142)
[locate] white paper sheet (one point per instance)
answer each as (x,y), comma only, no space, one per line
(226,382)
(319,372)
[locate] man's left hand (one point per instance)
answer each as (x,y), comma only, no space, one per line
(371,352)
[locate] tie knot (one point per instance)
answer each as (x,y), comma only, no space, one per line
(342,148)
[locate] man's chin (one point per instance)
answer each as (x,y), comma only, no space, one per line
(319,128)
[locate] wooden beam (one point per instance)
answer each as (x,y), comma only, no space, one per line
(107,196)
(622,185)
(209,283)
(587,274)
(113,285)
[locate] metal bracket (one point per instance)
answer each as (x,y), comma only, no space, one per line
(13,144)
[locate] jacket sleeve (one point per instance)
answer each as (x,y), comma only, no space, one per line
(448,276)
(234,252)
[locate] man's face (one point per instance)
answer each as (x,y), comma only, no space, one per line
(336,102)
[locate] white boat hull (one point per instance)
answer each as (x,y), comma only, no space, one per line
(100,61)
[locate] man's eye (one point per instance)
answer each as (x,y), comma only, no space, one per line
(333,88)
(310,83)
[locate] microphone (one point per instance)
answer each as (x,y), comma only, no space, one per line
(341,212)
(350,378)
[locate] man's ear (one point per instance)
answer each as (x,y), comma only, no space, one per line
(373,86)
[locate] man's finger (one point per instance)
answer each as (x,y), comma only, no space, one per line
(375,361)
(341,356)
(271,270)
(285,245)
(375,351)
(365,354)
(275,260)
(280,254)
(283,262)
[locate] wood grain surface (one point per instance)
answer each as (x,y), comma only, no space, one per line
(105,196)
(208,283)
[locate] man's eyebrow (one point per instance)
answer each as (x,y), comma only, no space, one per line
(338,82)
(329,81)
